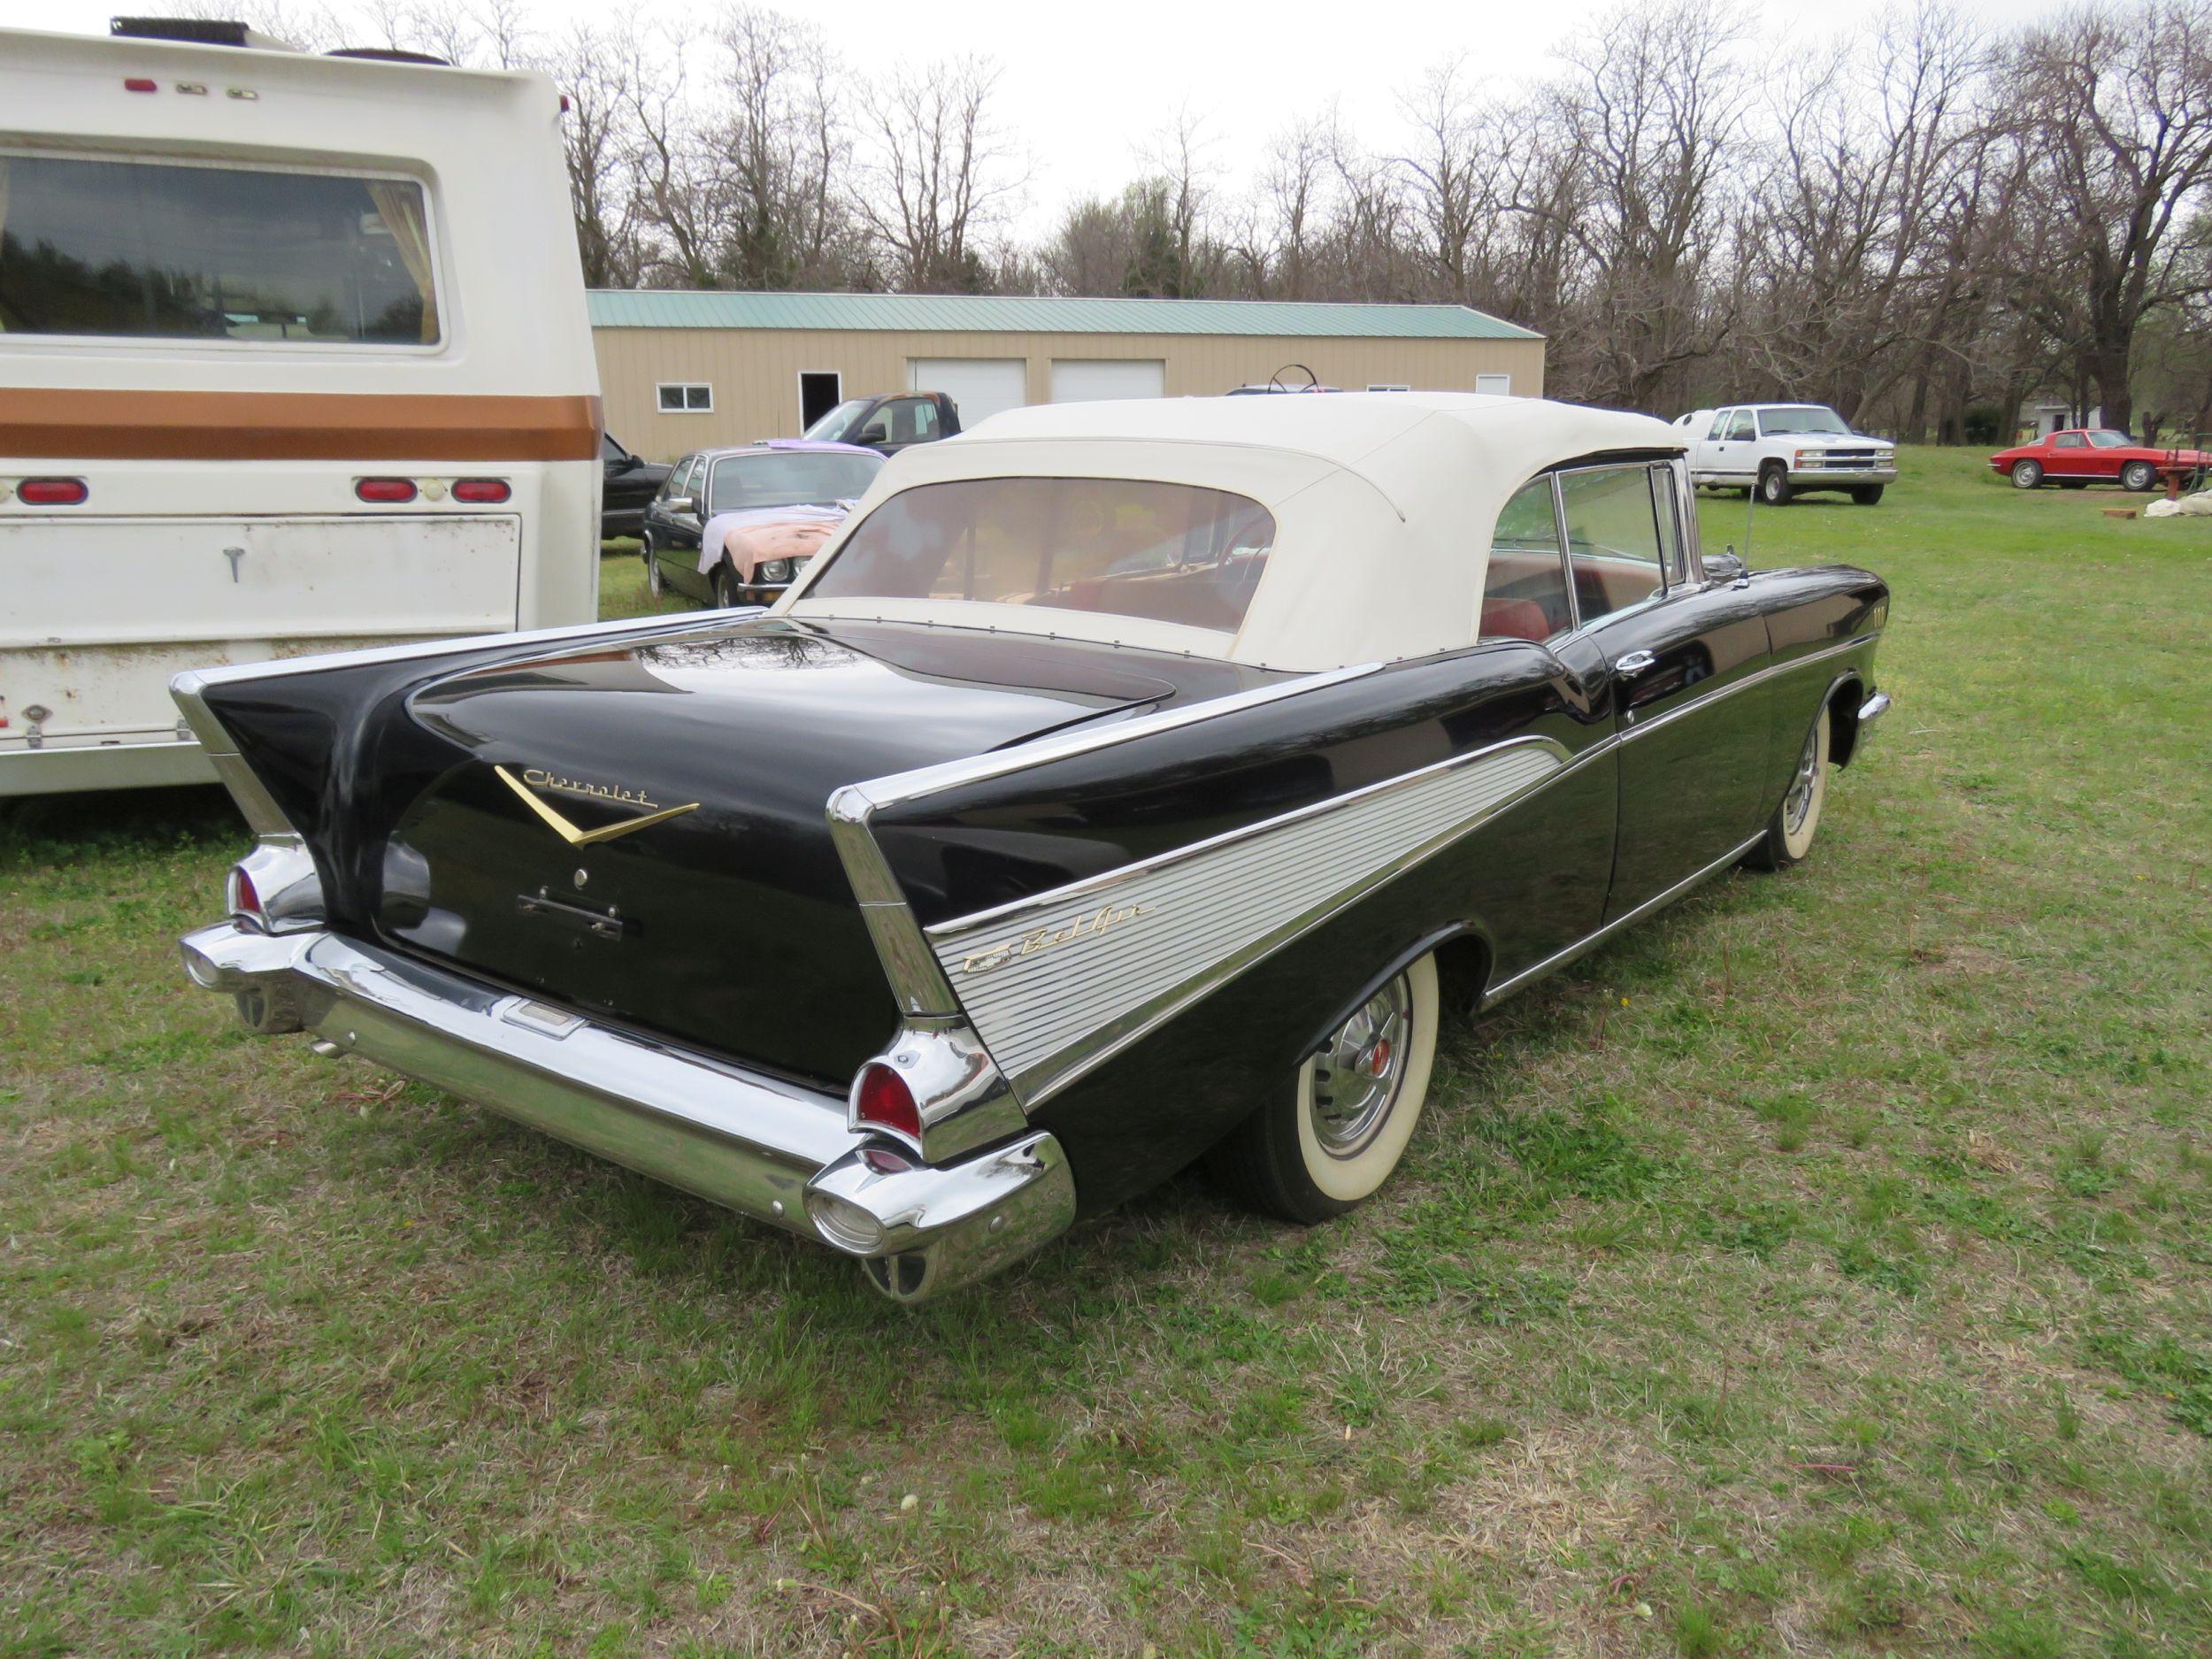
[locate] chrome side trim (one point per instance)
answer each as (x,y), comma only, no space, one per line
(1154,937)
(916,982)
(1560,959)
(899,787)
(1757,677)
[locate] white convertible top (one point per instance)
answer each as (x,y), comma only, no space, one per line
(1383,502)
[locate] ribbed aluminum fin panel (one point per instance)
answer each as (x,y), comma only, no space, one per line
(1051,991)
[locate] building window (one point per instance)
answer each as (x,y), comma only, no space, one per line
(1494,385)
(685,398)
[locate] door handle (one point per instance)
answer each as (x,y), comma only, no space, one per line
(1634,663)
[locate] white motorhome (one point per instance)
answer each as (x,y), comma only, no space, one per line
(293,357)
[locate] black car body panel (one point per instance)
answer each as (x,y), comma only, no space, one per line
(628,482)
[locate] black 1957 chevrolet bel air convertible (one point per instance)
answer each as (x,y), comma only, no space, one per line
(1103,796)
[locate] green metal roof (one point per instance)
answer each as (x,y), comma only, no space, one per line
(995,313)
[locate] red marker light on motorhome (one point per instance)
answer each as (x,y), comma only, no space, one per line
(385,489)
(481,489)
(884,1102)
(52,492)
(140,83)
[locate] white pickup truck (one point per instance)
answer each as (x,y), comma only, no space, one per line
(1780,449)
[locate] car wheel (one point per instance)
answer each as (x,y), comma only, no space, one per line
(725,594)
(1866,494)
(1337,1131)
(1774,486)
(2026,474)
(1795,822)
(2137,476)
(651,555)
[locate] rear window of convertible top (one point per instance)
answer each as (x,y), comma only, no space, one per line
(1171,552)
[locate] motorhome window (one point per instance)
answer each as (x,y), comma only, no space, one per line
(1171,552)
(157,250)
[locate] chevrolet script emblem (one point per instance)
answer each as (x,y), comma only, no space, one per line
(1041,939)
(567,831)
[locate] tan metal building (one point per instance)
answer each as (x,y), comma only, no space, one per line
(681,369)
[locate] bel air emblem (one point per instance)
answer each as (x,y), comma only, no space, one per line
(1042,938)
(567,831)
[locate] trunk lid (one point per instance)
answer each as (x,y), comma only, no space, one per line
(637,830)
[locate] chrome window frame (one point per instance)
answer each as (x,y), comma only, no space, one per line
(1566,547)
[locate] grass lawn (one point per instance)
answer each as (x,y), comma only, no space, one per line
(1822,1268)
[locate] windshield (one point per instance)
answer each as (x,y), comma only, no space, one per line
(789,478)
(1802,418)
(1172,552)
(834,423)
(160,249)
(2110,440)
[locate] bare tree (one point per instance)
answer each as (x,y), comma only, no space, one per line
(2115,112)
(939,176)
(785,147)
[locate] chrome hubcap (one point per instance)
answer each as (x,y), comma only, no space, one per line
(1357,1073)
(1798,804)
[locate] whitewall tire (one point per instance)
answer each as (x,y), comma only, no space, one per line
(1339,1129)
(1795,822)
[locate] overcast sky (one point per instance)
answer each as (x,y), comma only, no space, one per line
(1087,87)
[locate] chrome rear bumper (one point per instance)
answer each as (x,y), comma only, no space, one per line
(767,1148)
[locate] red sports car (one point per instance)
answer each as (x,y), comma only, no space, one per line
(2081,458)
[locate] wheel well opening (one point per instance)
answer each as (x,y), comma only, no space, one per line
(1463,972)
(1843,720)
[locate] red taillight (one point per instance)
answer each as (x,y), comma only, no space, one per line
(51,492)
(243,898)
(385,489)
(480,489)
(139,83)
(884,1102)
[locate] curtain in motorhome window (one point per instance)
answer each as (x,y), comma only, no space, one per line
(400,206)
(175,250)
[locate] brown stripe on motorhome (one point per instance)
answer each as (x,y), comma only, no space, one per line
(77,424)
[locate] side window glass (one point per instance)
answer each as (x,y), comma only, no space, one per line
(1719,428)
(925,421)
(1743,426)
(2068,440)
(1524,592)
(1612,538)
(1673,561)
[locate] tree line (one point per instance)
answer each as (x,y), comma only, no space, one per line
(1924,222)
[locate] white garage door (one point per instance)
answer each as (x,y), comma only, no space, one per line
(980,387)
(1092,379)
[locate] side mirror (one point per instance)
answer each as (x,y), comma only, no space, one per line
(628,463)
(875,433)
(1726,567)
(679,504)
